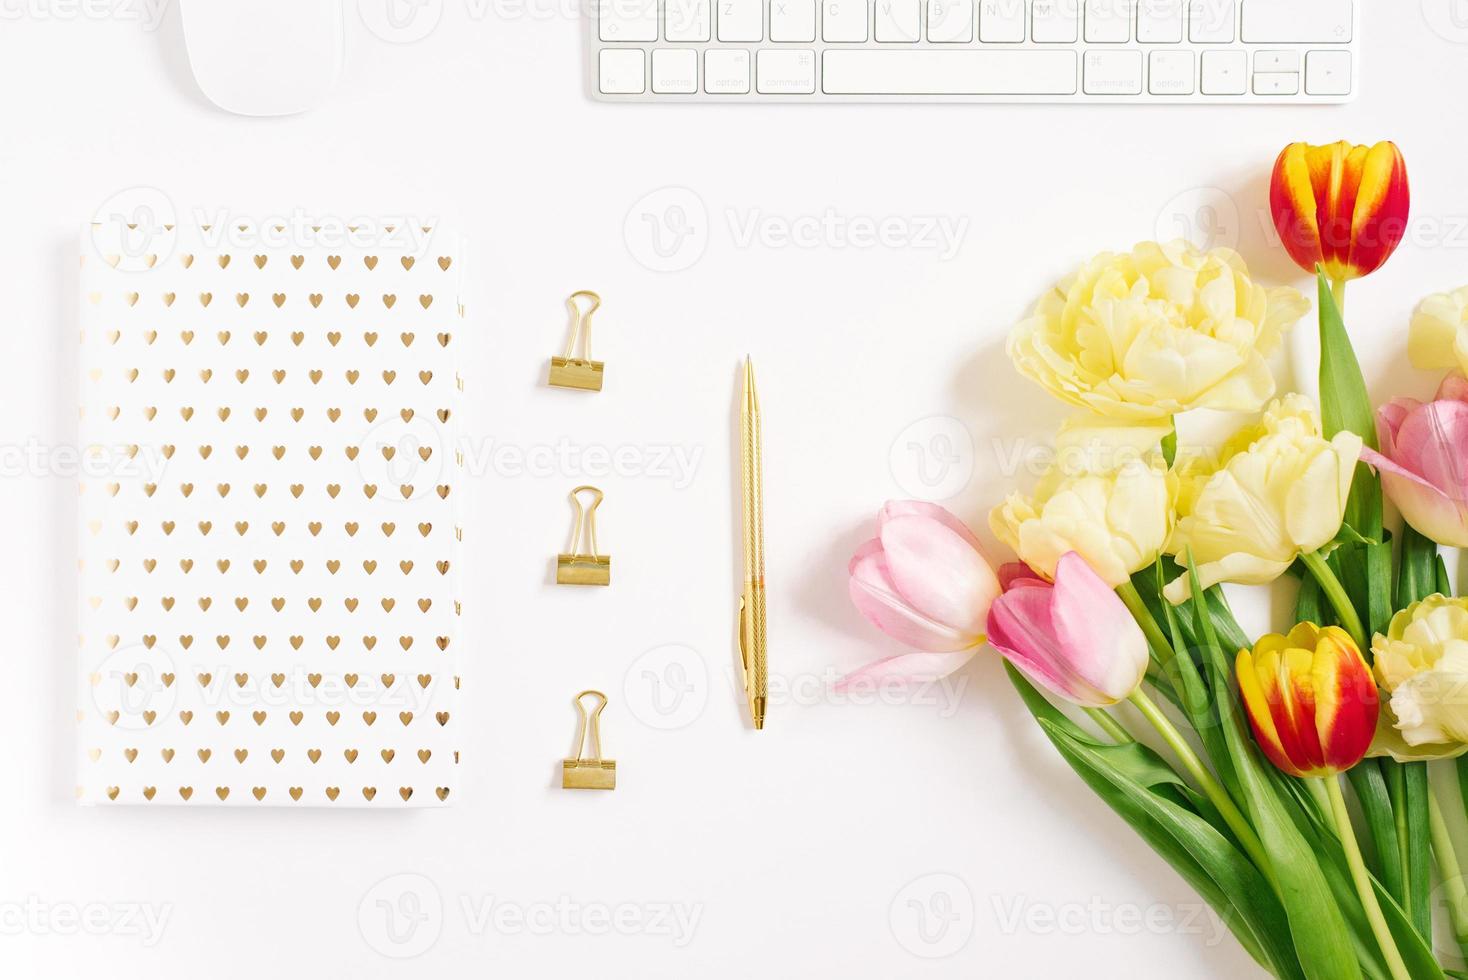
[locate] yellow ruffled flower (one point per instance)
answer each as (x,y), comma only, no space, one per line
(1103,499)
(1438,339)
(1422,662)
(1158,331)
(1275,491)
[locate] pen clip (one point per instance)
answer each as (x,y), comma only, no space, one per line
(743,640)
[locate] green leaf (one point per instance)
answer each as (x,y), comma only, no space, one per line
(1383,857)
(1234,874)
(1310,604)
(1380,603)
(1321,937)
(1416,953)
(1419,850)
(1417,575)
(1209,862)
(1345,406)
(1196,701)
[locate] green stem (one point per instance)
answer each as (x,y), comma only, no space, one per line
(1362,879)
(1317,793)
(1451,872)
(1110,726)
(1210,786)
(1339,601)
(1156,639)
(1338,292)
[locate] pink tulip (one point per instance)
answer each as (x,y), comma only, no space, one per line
(1424,461)
(1075,638)
(924,581)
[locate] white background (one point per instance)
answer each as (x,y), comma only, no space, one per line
(799,848)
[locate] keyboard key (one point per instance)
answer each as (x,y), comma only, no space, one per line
(686,20)
(950,21)
(675,71)
(1113,73)
(897,21)
(726,71)
(1160,21)
(1002,21)
(1276,61)
(1297,21)
(793,20)
(844,21)
(783,72)
(1108,21)
(1276,83)
(1054,22)
(741,20)
(1328,73)
(1225,72)
(1171,73)
(1212,21)
(926,71)
(627,20)
(621,71)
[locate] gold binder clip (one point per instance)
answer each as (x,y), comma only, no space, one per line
(578,372)
(584,568)
(591,772)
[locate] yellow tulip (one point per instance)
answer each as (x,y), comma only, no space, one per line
(1276,491)
(1422,662)
(1117,519)
(1438,339)
(1157,331)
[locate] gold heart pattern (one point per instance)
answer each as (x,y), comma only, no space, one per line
(254,632)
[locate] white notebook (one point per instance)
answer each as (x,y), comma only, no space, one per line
(269,533)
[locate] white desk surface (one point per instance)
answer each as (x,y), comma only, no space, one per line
(799,852)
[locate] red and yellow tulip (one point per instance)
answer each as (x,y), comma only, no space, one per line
(1340,206)
(1310,698)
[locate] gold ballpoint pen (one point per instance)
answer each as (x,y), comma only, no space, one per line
(753,643)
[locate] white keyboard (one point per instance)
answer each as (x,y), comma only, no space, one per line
(1157,51)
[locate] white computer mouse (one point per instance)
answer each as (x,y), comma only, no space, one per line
(264,57)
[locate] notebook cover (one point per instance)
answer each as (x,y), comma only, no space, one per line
(269,535)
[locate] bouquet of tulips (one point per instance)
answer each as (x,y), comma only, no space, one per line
(1126,542)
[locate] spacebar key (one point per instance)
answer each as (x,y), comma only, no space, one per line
(854,71)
